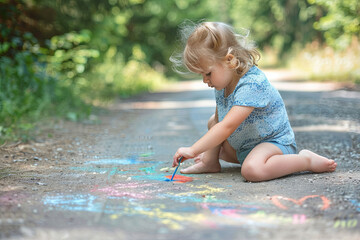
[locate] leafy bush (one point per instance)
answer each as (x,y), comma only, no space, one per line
(68,55)
(67,59)
(341,22)
(25,88)
(31,88)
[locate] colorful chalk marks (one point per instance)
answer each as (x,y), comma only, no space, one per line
(160,213)
(74,202)
(195,194)
(199,205)
(126,190)
(179,179)
(279,201)
(179,206)
(116,162)
(117,166)
(230,210)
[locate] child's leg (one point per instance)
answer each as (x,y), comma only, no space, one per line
(266,161)
(208,162)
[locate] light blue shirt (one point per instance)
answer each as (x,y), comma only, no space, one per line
(267,122)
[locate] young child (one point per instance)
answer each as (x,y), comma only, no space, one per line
(250,125)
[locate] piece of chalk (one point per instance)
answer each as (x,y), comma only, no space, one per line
(176,169)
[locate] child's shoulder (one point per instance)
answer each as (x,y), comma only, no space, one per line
(254,71)
(254,75)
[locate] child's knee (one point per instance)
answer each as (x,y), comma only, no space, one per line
(252,173)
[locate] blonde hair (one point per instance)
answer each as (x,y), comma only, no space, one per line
(213,42)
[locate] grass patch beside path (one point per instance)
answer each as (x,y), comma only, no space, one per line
(320,63)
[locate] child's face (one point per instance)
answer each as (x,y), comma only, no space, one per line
(218,75)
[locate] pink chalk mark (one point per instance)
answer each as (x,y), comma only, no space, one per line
(299,219)
(180,178)
(118,190)
(131,185)
(11,198)
(118,193)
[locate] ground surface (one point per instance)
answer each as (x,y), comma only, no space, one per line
(107,180)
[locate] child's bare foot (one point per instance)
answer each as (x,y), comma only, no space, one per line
(198,158)
(318,163)
(201,167)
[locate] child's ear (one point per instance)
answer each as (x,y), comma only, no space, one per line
(232,61)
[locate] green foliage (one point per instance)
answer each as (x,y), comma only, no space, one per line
(123,24)
(68,57)
(25,91)
(341,23)
(28,91)
(279,24)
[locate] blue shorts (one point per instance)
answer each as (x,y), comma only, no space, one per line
(286,149)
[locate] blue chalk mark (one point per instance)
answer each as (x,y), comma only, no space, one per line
(112,170)
(189,209)
(149,177)
(116,162)
(356,204)
(80,202)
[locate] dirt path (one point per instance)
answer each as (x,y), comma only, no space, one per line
(107,180)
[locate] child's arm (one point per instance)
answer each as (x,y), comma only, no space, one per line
(217,134)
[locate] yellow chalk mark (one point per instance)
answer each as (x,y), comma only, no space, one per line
(265,217)
(206,190)
(173,220)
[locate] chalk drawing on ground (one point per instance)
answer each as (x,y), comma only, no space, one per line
(281,201)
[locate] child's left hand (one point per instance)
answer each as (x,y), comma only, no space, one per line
(185,152)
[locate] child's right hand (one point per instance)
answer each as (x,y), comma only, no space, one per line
(185,152)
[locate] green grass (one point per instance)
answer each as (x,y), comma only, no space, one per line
(322,63)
